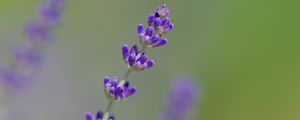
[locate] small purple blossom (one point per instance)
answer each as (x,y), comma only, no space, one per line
(160,25)
(163,11)
(27,60)
(148,37)
(183,96)
(51,11)
(99,116)
(117,91)
(14,80)
(38,32)
(136,61)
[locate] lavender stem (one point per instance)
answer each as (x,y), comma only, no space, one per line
(108,110)
(122,82)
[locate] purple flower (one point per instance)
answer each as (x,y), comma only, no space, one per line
(37,32)
(51,11)
(163,11)
(99,116)
(14,80)
(27,61)
(148,37)
(116,90)
(160,25)
(136,61)
(183,96)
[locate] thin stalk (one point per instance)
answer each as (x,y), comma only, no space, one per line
(108,110)
(125,77)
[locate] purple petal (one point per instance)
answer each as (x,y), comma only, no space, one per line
(119,90)
(149,31)
(161,42)
(106,80)
(130,91)
(140,29)
(99,115)
(89,116)
(154,38)
(134,50)
(165,22)
(142,59)
(111,117)
(150,63)
(131,59)
(126,84)
(157,22)
(125,51)
(170,27)
(114,81)
(151,18)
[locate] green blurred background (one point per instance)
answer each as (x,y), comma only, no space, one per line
(244,53)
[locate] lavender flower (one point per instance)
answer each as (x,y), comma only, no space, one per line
(117,91)
(163,11)
(183,96)
(37,32)
(136,61)
(50,12)
(14,80)
(27,61)
(99,116)
(148,38)
(159,23)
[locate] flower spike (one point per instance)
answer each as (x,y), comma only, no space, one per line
(116,91)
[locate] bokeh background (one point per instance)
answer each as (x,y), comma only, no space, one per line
(244,53)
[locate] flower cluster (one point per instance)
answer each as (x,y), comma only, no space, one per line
(136,59)
(99,116)
(27,60)
(158,24)
(39,31)
(177,108)
(117,91)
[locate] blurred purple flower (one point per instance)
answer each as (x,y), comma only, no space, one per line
(37,32)
(182,98)
(116,91)
(51,11)
(28,61)
(136,61)
(14,80)
(99,116)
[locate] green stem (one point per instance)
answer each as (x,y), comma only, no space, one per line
(125,77)
(108,110)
